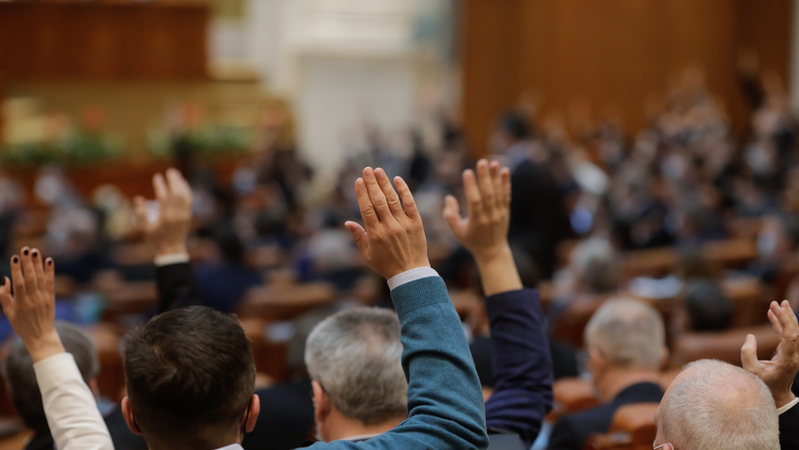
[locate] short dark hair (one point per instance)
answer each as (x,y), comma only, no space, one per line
(21,378)
(515,125)
(707,306)
(190,373)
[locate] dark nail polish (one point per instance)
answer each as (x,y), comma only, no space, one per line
(2,281)
(16,260)
(50,262)
(25,252)
(35,254)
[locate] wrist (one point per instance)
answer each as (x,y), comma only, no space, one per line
(44,346)
(491,255)
(783,398)
(171,249)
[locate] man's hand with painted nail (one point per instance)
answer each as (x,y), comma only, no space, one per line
(168,230)
(392,238)
(779,372)
(31,308)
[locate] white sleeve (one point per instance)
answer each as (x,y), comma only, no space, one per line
(71,410)
(787,406)
(410,275)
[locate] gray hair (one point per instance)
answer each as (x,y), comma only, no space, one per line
(597,265)
(355,356)
(628,333)
(719,406)
(21,379)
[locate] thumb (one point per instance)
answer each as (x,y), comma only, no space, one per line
(359,234)
(749,354)
(6,300)
(452,215)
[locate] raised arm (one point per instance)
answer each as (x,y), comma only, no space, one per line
(166,230)
(779,372)
(522,363)
(444,396)
(72,414)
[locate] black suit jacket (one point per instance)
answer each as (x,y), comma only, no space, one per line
(789,429)
(571,431)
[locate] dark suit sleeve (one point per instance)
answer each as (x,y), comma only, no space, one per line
(177,287)
(789,429)
(522,365)
(564,436)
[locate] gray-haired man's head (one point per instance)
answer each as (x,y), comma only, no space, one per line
(354,356)
(21,379)
(713,405)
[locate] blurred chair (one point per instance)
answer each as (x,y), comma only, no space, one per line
(731,253)
(129,298)
(571,395)
(279,301)
(750,298)
(724,346)
(656,262)
(111,378)
(633,428)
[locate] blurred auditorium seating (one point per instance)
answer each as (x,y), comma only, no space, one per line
(658,262)
(285,301)
(724,346)
(571,395)
(633,428)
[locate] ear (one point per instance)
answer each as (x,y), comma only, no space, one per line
(321,402)
(128,414)
(255,410)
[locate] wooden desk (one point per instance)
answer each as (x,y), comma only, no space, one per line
(57,40)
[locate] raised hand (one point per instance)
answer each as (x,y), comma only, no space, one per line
(392,239)
(167,233)
(779,372)
(31,309)
(484,232)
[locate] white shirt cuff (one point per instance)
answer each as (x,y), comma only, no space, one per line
(411,275)
(175,258)
(787,406)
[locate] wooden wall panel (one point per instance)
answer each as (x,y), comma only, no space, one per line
(608,57)
(82,40)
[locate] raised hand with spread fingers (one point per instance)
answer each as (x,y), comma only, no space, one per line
(167,230)
(31,307)
(392,239)
(779,372)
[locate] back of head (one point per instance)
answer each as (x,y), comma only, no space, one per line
(714,405)
(597,265)
(190,377)
(627,333)
(355,356)
(21,378)
(515,125)
(707,306)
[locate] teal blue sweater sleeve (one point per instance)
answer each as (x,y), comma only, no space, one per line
(445,401)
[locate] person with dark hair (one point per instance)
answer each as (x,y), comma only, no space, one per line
(444,396)
(538,215)
(707,307)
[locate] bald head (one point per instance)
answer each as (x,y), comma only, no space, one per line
(714,405)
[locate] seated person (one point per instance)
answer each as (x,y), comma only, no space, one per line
(707,308)
(626,343)
(712,404)
(24,393)
(190,371)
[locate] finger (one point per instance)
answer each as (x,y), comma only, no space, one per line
(506,186)
(365,203)
(774,319)
(407,199)
(178,185)
(140,212)
(49,277)
(6,301)
(474,203)
(787,320)
(36,259)
(486,185)
(359,234)
(749,354)
(31,283)
(496,179)
(17,280)
(392,198)
(452,215)
(376,195)
(159,186)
